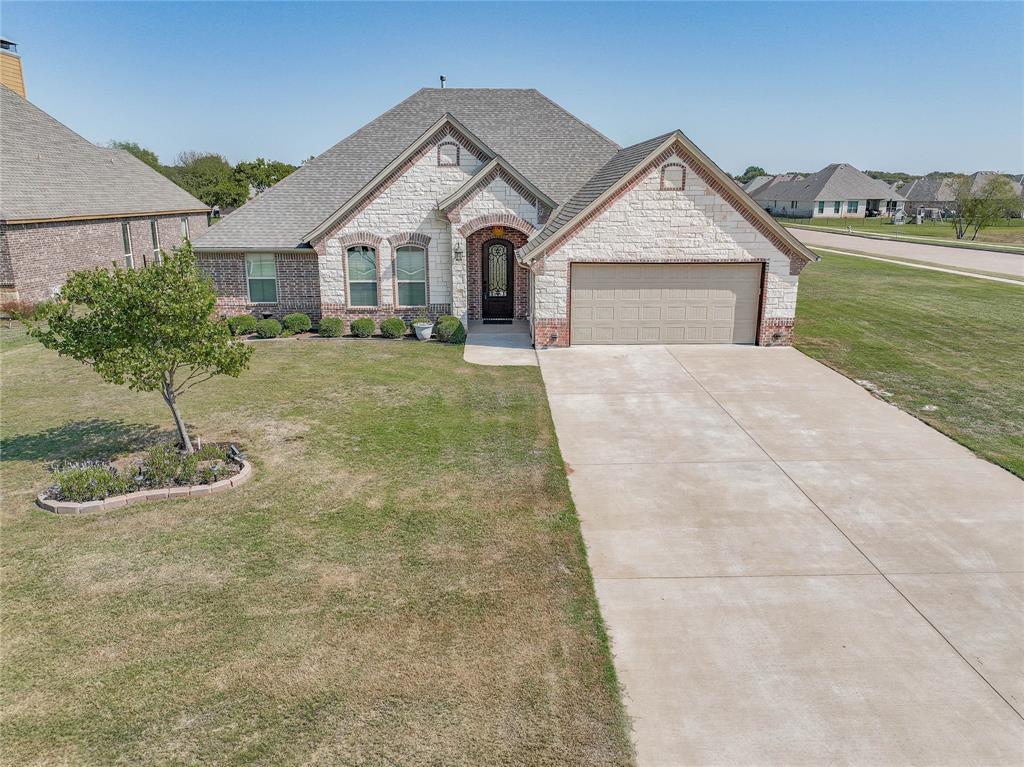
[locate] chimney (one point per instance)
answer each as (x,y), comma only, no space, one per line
(10,67)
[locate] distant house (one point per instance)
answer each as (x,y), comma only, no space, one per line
(836,191)
(67,204)
(934,196)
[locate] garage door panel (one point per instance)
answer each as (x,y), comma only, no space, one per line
(665,303)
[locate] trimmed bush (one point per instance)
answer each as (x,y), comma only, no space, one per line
(85,482)
(297,322)
(331,327)
(393,327)
(363,327)
(242,324)
(268,329)
(449,330)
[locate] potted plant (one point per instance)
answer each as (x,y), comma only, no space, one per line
(423,325)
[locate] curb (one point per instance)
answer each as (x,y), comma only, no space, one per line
(159,494)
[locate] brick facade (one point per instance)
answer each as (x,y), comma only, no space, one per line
(36,259)
(298,284)
(474,272)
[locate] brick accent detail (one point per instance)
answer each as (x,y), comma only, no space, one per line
(360,238)
(298,284)
(410,238)
(36,259)
(550,333)
(797,264)
(497,219)
(474,273)
(775,331)
(445,132)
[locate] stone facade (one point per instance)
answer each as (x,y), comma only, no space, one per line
(646,223)
(36,259)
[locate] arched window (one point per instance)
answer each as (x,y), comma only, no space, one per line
(447,154)
(362,276)
(411,273)
(673,177)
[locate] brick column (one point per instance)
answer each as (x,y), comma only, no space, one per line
(460,288)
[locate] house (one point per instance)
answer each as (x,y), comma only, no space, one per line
(836,191)
(934,196)
(500,205)
(67,204)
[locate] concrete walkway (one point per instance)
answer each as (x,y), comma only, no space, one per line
(792,571)
(499,344)
(958,258)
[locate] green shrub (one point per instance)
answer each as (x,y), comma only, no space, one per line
(393,327)
(450,330)
(363,327)
(297,322)
(268,329)
(89,482)
(242,324)
(331,327)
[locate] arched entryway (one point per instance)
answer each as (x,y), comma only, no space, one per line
(498,284)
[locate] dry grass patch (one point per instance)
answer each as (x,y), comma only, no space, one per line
(402,582)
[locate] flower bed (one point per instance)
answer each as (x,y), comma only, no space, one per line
(160,473)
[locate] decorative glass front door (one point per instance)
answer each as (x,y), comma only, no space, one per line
(498,283)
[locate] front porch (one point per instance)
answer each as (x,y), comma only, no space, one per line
(499,344)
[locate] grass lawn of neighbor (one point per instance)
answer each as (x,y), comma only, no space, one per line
(1009,232)
(930,338)
(403,581)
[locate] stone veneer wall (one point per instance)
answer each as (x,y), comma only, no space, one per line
(646,223)
(36,259)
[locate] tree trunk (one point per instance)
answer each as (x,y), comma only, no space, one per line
(171,399)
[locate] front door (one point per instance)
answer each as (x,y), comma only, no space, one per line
(498,284)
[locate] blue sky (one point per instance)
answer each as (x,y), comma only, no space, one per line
(788,86)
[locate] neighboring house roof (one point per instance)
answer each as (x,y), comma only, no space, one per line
(982,177)
(624,166)
(48,172)
(540,140)
(928,189)
(839,181)
(756,183)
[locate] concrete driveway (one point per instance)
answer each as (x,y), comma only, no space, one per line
(792,572)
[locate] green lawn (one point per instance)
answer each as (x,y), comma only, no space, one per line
(402,583)
(930,339)
(1009,232)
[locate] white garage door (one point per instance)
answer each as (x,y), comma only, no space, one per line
(665,303)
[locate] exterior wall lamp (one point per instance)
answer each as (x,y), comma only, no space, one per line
(458,252)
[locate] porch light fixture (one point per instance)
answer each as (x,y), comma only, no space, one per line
(457,252)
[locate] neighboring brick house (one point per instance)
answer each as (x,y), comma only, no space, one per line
(836,191)
(67,204)
(499,204)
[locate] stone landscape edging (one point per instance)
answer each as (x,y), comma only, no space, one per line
(156,494)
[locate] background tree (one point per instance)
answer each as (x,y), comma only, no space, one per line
(752,172)
(209,177)
(260,174)
(150,329)
(975,209)
(148,156)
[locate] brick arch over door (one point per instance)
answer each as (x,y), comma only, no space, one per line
(474,272)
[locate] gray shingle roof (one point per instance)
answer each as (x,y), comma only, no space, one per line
(49,171)
(554,150)
(928,189)
(618,167)
(839,181)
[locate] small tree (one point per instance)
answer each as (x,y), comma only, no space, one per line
(151,329)
(976,209)
(752,172)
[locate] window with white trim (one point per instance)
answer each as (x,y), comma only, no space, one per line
(837,207)
(851,206)
(184,227)
(673,177)
(362,276)
(821,206)
(447,154)
(154,232)
(261,275)
(411,271)
(793,204)
(126,240)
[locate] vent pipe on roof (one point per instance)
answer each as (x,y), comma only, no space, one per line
(443,79)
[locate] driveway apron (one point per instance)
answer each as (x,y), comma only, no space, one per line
(792,571)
